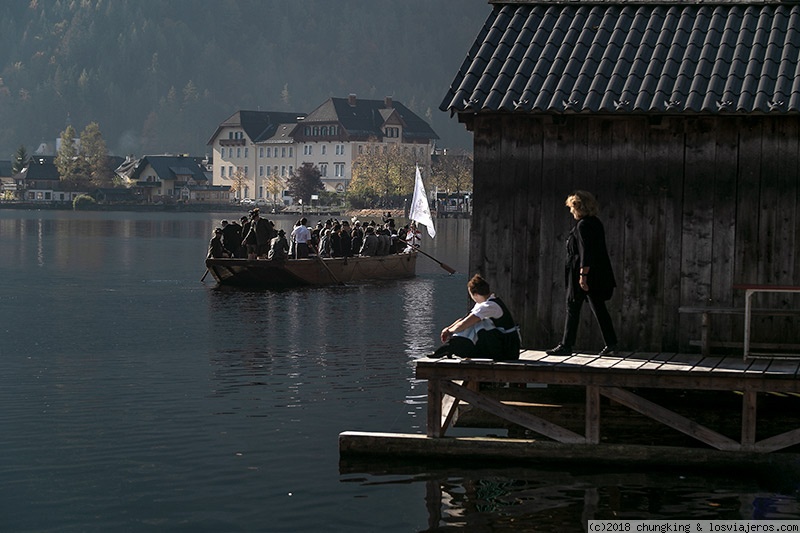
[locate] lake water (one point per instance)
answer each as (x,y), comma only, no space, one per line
(133,397)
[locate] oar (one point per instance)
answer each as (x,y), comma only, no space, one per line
(328,269)
(204,276)
(444,266)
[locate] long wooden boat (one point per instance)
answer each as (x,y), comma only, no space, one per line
(311,271)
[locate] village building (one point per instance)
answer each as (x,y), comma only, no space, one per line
(8,187)
(40,182)
(255,152)
(171,179)
(332,136)
(683,118)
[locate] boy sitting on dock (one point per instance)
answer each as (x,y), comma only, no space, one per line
(487,331)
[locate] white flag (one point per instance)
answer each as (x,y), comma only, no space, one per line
(420,211)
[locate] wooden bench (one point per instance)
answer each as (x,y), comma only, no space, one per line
(750,290)
(705,343)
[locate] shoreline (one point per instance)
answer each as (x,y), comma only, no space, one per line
(361,214)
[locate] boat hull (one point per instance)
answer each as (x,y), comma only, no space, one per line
(310,271)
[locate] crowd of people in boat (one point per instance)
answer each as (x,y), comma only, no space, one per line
(255,237)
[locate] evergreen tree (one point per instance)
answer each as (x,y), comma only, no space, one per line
(20,159)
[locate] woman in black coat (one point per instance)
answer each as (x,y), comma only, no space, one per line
(588,274)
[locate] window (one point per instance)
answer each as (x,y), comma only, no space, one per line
(230,135)
(316,131)
(322,149)
(283,170)
(291,169)
(245,171)
(261,170)
(307,130)
(323,169)
(238,152)
(246,150)
(338,169)
(261,152)
(392,132)
(307,150)
(291,152)
(339,149)
(230,171)
(283,152)
(222,172)
(269,152)
(360,148)
(324,131)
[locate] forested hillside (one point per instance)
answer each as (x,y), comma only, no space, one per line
(160,75)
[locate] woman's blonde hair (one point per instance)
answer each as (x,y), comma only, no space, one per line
(584,203)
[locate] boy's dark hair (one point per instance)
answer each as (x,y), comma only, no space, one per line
(478,285)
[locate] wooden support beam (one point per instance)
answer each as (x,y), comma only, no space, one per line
(449,410)
(592,414)
(670,418)
(778,442)
(512,414)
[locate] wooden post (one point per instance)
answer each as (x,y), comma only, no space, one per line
(749,407)
(435,408)
(705,325)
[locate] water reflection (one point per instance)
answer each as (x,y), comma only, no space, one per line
(528,499)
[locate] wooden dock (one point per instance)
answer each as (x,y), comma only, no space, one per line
(640,382)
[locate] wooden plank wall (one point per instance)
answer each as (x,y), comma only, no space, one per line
(690,206)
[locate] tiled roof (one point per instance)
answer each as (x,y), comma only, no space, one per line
(258,125)
(360,117)
(625,57)
(5,168)
(171,167)
(40,167)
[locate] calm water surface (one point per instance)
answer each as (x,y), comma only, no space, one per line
(135,398)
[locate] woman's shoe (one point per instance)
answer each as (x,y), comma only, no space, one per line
(559,350)
(608,350)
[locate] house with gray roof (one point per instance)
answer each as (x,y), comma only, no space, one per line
(173,178)
(40,182)
(683,118)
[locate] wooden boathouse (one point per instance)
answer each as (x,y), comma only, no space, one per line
(682,117)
